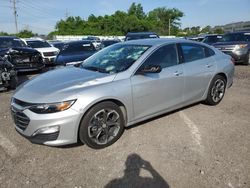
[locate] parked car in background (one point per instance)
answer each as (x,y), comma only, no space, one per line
(22,57)
(211,39)
(196,38)
(47,51)
(106,43)
(237,45)
(57,44)
(119,86)
(75,51)
(96,41)
(140,35)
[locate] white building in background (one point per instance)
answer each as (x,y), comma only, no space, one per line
(236,26)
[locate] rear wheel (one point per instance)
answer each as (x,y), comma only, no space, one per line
(102,125)
(216,90)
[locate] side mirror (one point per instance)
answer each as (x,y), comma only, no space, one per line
(150,69)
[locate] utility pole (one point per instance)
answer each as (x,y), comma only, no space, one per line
(169,25)
(15,14)
(66,14)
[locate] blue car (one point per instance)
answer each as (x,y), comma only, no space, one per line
(75,51)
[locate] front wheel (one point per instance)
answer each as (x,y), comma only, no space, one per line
(248,59)
(102,125)
(216,90)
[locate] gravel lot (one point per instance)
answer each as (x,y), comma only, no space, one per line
(199,146)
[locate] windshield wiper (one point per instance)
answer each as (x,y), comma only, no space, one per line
(97,69)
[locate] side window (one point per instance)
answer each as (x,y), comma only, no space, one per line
(209,52)
(192,52)
(165,56)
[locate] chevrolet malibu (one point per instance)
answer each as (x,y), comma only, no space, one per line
(117,87)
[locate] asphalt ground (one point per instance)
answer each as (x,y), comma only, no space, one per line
(198,146)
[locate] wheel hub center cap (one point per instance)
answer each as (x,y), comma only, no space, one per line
(104,125)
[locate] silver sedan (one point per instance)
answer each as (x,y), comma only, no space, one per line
(121,85)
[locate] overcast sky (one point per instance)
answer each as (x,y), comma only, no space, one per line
(40,16)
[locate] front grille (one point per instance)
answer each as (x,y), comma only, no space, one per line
(225,47)
(48,54)
(228,52)
(20,119)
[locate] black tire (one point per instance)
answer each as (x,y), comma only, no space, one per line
(99,127)
(211,98)
(13,82)
(247,62)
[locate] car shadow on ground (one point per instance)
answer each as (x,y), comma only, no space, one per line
(131,178)
(133,126)
(161,116)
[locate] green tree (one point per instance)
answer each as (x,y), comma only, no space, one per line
(25,34)
(207,29)
(119,23)
(219,31)
(162,17)
(136,10)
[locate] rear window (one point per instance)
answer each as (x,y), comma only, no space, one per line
(193,52)
(77,47)
(140,36)
(211,39)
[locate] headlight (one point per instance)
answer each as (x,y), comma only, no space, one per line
(51,108)
(56,52)
(240,46)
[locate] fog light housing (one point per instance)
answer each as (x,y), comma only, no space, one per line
(47,130)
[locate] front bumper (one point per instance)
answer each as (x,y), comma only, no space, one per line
(29,67)
(40,128)
(49,60)
(238,58)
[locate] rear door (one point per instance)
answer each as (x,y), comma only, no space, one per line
(199,67)
(155,92)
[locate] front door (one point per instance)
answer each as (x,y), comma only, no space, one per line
(156,92)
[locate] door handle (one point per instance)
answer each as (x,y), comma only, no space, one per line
(177,73)
(209,65)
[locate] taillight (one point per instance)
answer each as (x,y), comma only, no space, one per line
(232,60)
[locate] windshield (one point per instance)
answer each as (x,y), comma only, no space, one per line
(115,58)
(38,44)
(11,42)
(234,37)
(142,36)
(211,39)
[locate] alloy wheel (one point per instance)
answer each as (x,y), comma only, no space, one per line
(218,90)
(104,126)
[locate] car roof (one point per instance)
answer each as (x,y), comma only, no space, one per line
(156,41)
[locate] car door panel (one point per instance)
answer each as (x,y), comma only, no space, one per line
(198,70)
(153,92)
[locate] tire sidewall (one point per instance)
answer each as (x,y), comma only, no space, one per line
(209,99)
(83,129)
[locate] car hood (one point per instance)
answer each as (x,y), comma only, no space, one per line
(49,49)
(18,50)
(60,85)
(66,58)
